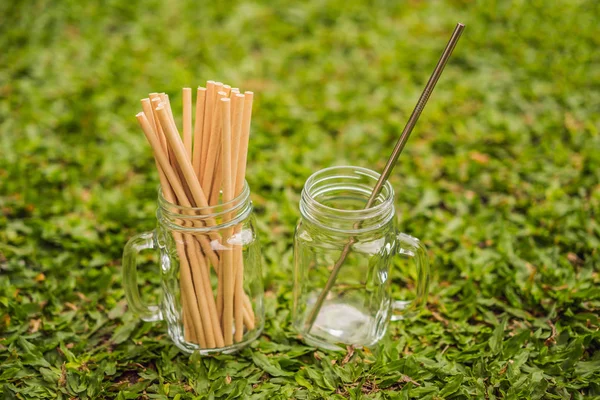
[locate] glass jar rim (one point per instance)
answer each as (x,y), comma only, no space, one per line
(221,215)
(334,218)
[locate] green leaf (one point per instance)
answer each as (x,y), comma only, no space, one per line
(497,336)
(123,332)
(302,381)
(452,386)
(269,366)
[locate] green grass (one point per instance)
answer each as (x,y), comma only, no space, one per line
(501,180)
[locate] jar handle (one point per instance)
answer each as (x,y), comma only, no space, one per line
(412,247)
(134,246)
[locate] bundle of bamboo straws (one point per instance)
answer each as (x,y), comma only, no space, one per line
(205,169)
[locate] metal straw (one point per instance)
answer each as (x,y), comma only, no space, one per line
(412,121)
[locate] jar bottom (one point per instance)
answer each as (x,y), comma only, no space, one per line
(339,324)
(190,348)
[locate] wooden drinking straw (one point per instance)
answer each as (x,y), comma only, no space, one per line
(163,98)
(178,187)
(206,130)
(189,329)
(213,146)
(191,179)
(208,314)
(187,120)
(227,255)
(167,104)
(198,129)
(244,137)
(176,144)
(155,101)
(193,172)
(189,332)
(215,186)
(212,308)
(209,318)
(237,106)
(168,181)
(239,185)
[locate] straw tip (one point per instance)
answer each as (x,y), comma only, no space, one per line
(225,100)
(460,25)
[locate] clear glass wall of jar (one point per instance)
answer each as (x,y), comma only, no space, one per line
(211,277)
(357,309)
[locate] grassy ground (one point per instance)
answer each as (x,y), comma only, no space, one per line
(501,180)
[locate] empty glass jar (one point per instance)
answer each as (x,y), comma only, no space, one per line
(210,266)
(358,307)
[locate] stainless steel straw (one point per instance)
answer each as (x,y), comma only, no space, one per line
(412,121)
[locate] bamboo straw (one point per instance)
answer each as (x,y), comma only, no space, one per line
(198,129)
(227,255)
(245,136)
(213,146)
(168,150)
(238,290)
(168,170)
(155,101)
(174,141)
(147,108)
(210,305)
(189,176)
(186,279)
(239,186)
(167,105)
(215,188)
(204,242)
(220,287)
(239,295)
(174,180)
(238,115)
(212,156)
(187,290)
(206,130)
(189,331)
(203,296)
(187,120)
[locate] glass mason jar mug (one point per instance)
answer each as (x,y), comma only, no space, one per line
(355,307)
(211,278)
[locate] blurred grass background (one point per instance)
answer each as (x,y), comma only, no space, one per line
(501,180)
